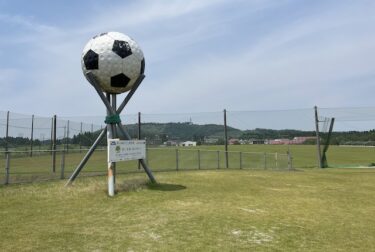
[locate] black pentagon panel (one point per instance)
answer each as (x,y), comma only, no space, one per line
(143,66)
(91,60)
(121,48)
(120,80)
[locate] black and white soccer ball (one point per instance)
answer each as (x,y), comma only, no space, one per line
(115,60)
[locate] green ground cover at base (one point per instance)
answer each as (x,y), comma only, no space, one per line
(231,210)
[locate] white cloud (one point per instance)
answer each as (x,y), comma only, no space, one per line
(297,63)
(26,22)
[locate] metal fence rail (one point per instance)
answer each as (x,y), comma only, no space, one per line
(20,167)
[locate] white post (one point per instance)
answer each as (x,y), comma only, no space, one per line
(111,180)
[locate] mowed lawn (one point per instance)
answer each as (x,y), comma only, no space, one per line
(218,210)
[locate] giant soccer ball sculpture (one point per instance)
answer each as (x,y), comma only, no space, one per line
(115,60)
(113,63)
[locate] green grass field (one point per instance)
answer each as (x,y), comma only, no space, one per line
(24,168)
(39,166)
(219,210)
(228,210)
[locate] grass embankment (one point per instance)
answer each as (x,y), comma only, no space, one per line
(314,210)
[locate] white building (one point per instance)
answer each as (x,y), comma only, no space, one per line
(188,143)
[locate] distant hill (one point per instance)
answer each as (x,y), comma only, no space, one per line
(274,134)
(195,132)
(183,131)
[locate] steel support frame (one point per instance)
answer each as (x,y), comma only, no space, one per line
(111,131)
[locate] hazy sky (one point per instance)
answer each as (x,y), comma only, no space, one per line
(200,55)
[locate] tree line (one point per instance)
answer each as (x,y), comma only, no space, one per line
(162,132)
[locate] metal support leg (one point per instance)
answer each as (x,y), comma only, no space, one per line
(111,128)
(86,157)
(130,94)
(148,171)
(123,131)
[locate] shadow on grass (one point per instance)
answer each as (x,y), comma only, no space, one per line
(165,187)
(131,185)
(139,184)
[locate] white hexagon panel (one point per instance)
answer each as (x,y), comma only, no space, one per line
(115,60)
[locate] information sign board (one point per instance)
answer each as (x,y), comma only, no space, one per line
(125,150)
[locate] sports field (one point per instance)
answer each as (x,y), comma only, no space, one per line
(220,210)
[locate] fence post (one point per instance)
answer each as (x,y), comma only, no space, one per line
(92,134)
(240,160)
(199,159)
(7,167)
(277,160)
(290,165)
(67,136)
(265,160)
(80,139)
(147,151)
(51,143)
(318,137)
(176,159)
(218,159)
(62,165)
(32,136)
(54,144)
(226,139)
(7,134)
(139,125)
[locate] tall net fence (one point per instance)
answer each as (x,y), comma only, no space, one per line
(297,119)
(351,119)
(28,132)
(157,128)
(352,140)
(255,140)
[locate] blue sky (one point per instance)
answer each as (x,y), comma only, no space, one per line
(200,55)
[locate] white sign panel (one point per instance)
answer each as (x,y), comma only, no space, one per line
(124,150)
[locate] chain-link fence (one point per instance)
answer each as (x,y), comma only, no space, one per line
(234,139)
(20,167)
(28,132)
(19,132)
